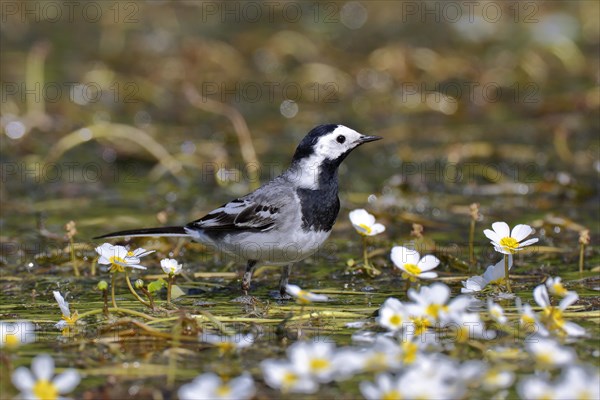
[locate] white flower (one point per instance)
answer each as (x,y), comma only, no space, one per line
(392,314)
(386,387)
(210,386)
(313,359)
(552,317)
(303,296)
(40,384)
(547,352)
(434,377)
(535,388)
(496,312)
(431,301)
(68,320)
(364,223)
(556,287)
(578,383)
(413,266)
(228,343)
(495,379)
(494,275)
(468,326)
(16,333)
(119,258)
(508,242)
(280,374)
(170,266)
(529,320)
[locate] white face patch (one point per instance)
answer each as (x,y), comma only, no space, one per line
(330,146)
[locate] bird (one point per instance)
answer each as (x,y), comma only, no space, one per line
(283,221)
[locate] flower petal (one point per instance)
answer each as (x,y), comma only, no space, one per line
(42,367)
(22,379)
(493,236)
(568,300)
(67,381)
(528,242)
(377,229)
(428,262)
(501,228)
(540,294)
(428,275)
(361,216)
(520,232)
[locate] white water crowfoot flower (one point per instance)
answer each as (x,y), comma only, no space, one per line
(432,302)
(303,296)
(313,359)
(496,312)
(281,374)
(386,387)
(494,275)
(170,266)
(40,384)
(574,383)
(413,266)
(364,223)
(16,333)
(210,386)
(507,242)
(552,316)
(392,314)
(548,353)
(119,258)
(68,320)
(556,288)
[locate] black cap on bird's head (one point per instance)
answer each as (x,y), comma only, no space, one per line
(331,142)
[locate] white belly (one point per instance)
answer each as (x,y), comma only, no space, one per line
(268,247)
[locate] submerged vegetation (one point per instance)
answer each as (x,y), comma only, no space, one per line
(156,113)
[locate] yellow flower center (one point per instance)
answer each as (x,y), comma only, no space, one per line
(391,395)
(289,379)
(45,390)
(223,390)
(11,340)
(434,310)
(544,358)
(496,313)
(412,269)
(117,264)
(410,352)
(559,289)
(553,318)
(364,229)
(319,364)
(225,347)
(395,320)
(421,324)
(509,244)
(499,282)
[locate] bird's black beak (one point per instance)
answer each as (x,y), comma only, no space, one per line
(365,139)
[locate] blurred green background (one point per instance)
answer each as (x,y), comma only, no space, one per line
(113,111)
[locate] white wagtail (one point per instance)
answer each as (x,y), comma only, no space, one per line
(283,221)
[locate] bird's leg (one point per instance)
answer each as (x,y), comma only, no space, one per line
(248,275)
(285,274)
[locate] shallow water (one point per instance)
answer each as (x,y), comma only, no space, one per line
(519,136)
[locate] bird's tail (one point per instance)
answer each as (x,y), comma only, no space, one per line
(164,231)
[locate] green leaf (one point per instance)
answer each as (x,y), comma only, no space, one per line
(156,285)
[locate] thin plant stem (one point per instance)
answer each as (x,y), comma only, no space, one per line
(112,290)
(73,260)
(471,240)
(117,310)
(169,285)
(365,254)
(506,274)
(581,257)
(132,290)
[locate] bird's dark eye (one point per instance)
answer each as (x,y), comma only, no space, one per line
(341,139)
